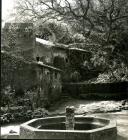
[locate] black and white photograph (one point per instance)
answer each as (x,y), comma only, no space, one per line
(64,69)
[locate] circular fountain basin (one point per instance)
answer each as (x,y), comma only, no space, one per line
(86,128)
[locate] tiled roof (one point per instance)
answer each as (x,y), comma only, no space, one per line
(47,66)
(44,42)
(82,47)
(78,49)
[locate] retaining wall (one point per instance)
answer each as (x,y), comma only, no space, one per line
(118,90)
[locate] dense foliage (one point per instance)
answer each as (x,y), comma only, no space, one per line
(98,26)
(100,18)
(14,71)
(100,22)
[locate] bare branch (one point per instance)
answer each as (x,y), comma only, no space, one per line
(71,10)
(87,8)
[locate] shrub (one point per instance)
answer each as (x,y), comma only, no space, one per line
(75,76)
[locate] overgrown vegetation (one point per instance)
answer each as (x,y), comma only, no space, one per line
(20,107)
(98,26)
(99,22)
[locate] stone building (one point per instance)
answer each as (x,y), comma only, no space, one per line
(23,76)
(19,42)
(49,83)
(60,53)
(43,50)
(50,53)
(19,39)
(48,75)
(65,57)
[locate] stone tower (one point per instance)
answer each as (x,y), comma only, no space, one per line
(19,38)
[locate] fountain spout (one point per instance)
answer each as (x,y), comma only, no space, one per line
(70,121)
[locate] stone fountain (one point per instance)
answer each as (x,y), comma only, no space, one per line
(70,127)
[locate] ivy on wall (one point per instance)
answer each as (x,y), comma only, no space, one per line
(16,72)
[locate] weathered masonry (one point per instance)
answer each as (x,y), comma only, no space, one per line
(50,53)
(20,38)
(23,76)
(65,57)
(49,83)
(59,55)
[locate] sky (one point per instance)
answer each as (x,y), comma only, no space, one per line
(7,8)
